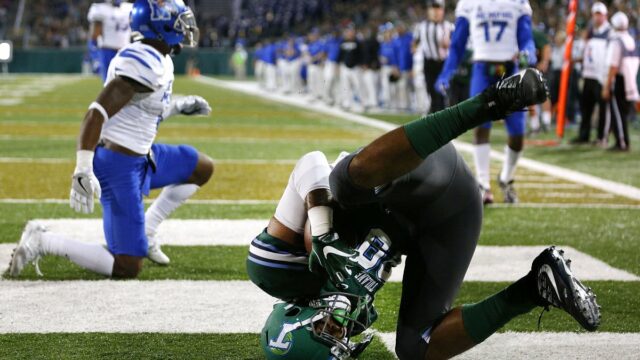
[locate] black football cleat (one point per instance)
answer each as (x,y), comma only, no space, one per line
(558,287)
(516,92)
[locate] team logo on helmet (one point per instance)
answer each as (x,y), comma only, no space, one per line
(282,344)
(161,9)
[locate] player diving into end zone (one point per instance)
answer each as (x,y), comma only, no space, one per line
(408,191)
(117,160)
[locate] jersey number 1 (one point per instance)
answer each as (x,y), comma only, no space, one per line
(501,25)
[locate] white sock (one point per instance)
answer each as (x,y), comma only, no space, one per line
(510,161)
(93,257)
(546,118)
(170,198)
(482,156)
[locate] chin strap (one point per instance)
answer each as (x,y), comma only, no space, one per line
(358,348)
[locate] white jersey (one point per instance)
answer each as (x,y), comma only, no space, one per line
(493,27)
(136,124)
(622,53)
(116,32)
(593,62)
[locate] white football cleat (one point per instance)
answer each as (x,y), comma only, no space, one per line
(28,250)
(155,253)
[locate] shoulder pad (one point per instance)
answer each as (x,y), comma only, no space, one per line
(141,63)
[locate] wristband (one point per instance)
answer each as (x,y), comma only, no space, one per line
(84,159)
(320,219)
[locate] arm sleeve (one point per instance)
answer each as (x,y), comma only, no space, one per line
(525,38)
(96,13)
(458,45)
(614,51)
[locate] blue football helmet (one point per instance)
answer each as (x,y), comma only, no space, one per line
(170,21)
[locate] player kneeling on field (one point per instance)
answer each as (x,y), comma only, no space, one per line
(117,160)
(407,192)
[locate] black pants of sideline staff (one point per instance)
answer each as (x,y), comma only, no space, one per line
(432,69)
(592,95)
(619,115)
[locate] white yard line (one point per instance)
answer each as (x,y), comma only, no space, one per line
(489,263)
(12,160)
(576,195)
(15,94)
(165,306)
(566,206)
(274,202)
(548,345)
(148,201)
(556,171)
(548,185)
(233,307)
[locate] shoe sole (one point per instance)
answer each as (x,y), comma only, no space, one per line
(158,261)
(20,251)
(581,296)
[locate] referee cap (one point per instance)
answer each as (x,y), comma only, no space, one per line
(435,3)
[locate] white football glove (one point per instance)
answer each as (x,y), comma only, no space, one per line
(84,185)
(189,105)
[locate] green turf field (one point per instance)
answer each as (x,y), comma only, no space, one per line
(255,143)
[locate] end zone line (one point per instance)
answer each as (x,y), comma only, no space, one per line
(148,201)
(546,345)
(251,88)
(12,160)
(275,202)
(487,264)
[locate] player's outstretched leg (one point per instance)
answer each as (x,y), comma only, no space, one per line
(462,328)
(403,149)
(36,242)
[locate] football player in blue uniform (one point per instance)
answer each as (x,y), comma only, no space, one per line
(110,32)
(500,32)
(117,160)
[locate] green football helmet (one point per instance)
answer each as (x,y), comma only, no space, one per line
(318,329)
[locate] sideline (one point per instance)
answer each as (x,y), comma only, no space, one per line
(252,88)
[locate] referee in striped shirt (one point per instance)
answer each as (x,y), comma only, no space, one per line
(433,37)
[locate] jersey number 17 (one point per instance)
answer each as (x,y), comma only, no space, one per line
(487,25)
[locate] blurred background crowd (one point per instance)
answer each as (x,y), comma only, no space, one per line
(295,45)
(63,23)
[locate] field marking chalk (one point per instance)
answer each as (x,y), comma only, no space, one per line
(88,306)
(252,88)
(547,345)
(489,263)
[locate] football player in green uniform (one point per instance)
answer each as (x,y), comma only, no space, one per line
(407,192)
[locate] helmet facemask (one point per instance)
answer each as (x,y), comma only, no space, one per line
(186,24)
(335,322)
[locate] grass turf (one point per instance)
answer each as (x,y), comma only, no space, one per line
(618,301)
(244,127)
(620,167)
(608,234)
(145,346)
